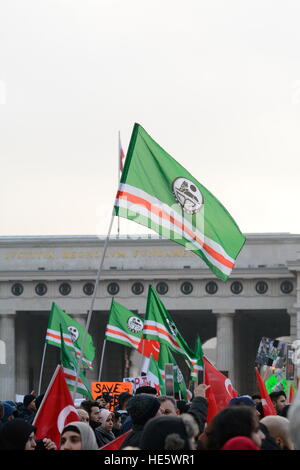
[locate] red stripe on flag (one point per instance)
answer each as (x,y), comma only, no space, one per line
(164,332)
(159,212)
(118,333)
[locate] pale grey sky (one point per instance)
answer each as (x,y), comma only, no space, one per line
(216,83)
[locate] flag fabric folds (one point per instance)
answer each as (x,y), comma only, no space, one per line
(157,376)
(73,334)
(70,366)
(116,443)
(56,409)
(220,391)
(266,401)
(159,326)
(158,192)
(199,364)
(123,326)
(149,347)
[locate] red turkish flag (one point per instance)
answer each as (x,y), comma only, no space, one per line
(220,392)
(149,346)
(116,443)
(56,410)
(266,401)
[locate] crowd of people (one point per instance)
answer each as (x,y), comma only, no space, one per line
(158,423)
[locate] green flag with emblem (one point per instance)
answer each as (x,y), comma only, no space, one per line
(158,192)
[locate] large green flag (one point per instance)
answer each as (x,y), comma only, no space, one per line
(123,326)
(73,334)
(158,192)
(199,365)
(70,367)
(159,326)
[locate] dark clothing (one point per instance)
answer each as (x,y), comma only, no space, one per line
(268,443)
(103,436)
(126,425)
(198,409)
(134,437)
(25,414)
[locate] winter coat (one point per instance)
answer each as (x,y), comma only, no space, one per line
(103,436)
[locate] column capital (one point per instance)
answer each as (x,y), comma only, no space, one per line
(7,313)
(224,312)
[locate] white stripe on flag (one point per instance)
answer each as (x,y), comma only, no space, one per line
(118,332)
(204,243)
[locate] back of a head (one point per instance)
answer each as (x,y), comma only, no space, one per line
(88,439)
(182,406)
(243,400)
(230,422)
(165,433)
(146,389)
(142,407)
(278,427)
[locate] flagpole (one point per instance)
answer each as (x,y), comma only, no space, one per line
(92,304)
(42,368)
(101,362)
(119,176)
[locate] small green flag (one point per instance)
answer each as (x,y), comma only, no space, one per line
(159,326)
(123,326)
(73,334)
(70,367)
(158,192)
(199,365)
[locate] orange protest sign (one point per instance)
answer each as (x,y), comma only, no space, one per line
(112,388)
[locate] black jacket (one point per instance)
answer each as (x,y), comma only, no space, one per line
(198,409)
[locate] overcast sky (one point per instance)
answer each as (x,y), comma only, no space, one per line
(215,83)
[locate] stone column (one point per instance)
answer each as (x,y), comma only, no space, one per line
(293,323)
(225,344)
(7,370)
(296,306)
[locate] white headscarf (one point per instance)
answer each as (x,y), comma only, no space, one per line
(104,415)
(88,439)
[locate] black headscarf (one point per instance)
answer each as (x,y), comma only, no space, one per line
(14,434)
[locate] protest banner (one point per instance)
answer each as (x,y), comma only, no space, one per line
(112,388)
(140,381)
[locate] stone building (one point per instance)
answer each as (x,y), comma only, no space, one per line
(261,298)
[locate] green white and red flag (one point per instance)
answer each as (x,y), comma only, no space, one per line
(159,326)
(199,364)
(124,327)
(158,192)
(73,334)
(156,375)
(70,366)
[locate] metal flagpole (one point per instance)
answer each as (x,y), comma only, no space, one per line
(119,175)
(101,362)
(92,304)
(42,368)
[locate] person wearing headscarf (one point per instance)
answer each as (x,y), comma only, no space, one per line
(104,432)
(141,408)
(78,436)
(17,435)
(170,433)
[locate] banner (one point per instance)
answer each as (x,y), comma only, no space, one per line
(112,388)
(137,382)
